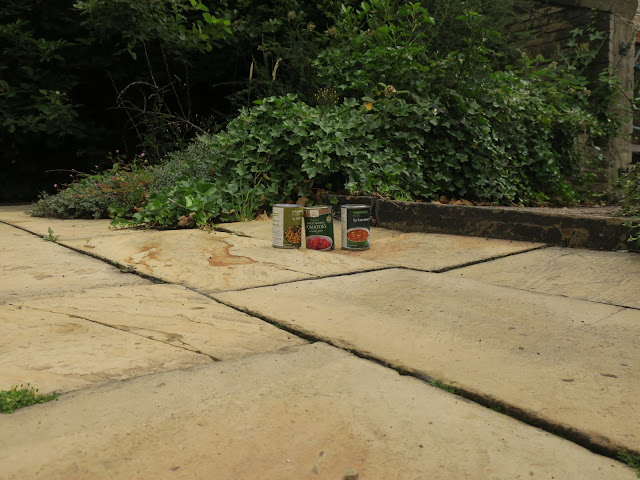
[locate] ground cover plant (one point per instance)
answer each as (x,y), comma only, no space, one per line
(631,459)
(397,113)
(630,187)
(19,397)
(92,195)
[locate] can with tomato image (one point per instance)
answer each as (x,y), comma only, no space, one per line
(356,227)
(287,225)
(318,227)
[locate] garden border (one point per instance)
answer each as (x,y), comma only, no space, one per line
(582,231)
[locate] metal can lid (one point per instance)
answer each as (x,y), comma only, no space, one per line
(317,210)
(288,205)
(353,205)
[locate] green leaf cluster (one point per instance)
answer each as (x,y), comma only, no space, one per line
(397,113)
(18,397)
(630,188)
(180,26)
(123,187)
(33,84)
(404,122)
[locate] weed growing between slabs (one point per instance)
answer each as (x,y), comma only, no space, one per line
(630,186)
(443,386)
(51,237)
(631,459)
(18,397)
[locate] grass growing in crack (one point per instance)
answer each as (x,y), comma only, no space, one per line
(15,398)
(443,386)
(125,268)
(631,459)
(51,237)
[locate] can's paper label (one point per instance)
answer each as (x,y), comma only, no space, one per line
(356,227)
(318,228)
(287,226)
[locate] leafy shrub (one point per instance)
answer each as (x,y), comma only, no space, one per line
(505,133)
(192,161)
(37,111)
(91,195)
(395,118)
(499,147)
(630,186)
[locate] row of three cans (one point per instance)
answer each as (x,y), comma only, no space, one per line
(318,226)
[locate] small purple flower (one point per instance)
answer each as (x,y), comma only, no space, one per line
(96,166)
(142,154)
(117,151)
(55,185)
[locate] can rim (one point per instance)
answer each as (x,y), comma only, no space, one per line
(353,205)
(287,205)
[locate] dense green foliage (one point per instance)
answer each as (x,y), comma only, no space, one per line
(385,98)
(92,196)
(630,187)
(393,120)
(66,65)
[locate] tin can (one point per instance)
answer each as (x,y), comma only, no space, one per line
(356,227)
(318,227)
(287,225)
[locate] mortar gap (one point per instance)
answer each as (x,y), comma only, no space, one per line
(490,259)
(527,417)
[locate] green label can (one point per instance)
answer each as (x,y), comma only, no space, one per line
(356,227)
(287,225)
(318,228)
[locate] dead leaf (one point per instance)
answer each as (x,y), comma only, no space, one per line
(302,201)
(444,199)
(184,221)
(319,193)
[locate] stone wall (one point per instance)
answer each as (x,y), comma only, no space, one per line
(546,29)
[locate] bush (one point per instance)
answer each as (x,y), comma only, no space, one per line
(125,188)
(630,186)
(395,118)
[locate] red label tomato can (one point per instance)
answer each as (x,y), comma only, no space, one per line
(356,227)
(318,227)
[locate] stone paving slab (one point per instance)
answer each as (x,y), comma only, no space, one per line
(313,412)
(607,277)
(173,315)
(33,266)
(60,352)
(429,252)
(390,248)
(215,261)
(64,229)
(568,362)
